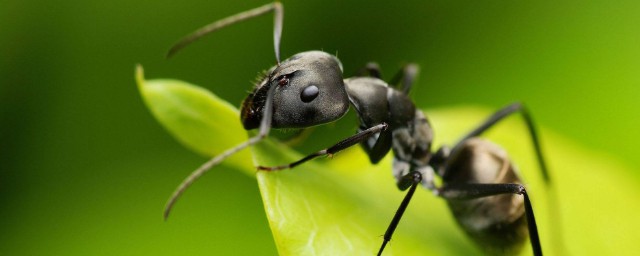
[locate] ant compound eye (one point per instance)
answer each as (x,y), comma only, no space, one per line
(283,81)
(309,93)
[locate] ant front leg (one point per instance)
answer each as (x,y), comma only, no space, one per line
(341,145)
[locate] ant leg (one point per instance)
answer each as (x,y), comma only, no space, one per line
(500,115)
(276,7)
(404,79)
(265,125)
(372,69)
(378,150)
(411,181)
(343,144)
(472,191)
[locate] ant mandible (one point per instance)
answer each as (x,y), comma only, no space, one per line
(479,182)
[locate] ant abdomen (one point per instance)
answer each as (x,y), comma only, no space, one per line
(495,223)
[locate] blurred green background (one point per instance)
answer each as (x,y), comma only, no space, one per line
(86,170)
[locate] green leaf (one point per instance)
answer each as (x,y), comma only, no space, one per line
(342,206)
(200,120)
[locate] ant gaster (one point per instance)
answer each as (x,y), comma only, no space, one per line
(479,182)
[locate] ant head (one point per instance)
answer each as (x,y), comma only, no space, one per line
(310,91)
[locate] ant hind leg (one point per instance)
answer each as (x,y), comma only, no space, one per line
(472,191)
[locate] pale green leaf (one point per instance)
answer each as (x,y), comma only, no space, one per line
(197,118)
(342,206)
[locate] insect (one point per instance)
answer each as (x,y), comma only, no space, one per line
(478,180)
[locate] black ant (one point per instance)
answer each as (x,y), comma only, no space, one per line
(478,180)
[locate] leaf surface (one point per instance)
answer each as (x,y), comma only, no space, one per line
(343,205)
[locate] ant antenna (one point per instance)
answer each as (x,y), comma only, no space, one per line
(276,7)
(265,125)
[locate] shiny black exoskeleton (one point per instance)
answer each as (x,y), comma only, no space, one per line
(478,180)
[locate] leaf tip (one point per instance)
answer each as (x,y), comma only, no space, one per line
(139,75)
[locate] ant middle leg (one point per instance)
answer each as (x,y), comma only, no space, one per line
(341,145)
(411,181)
